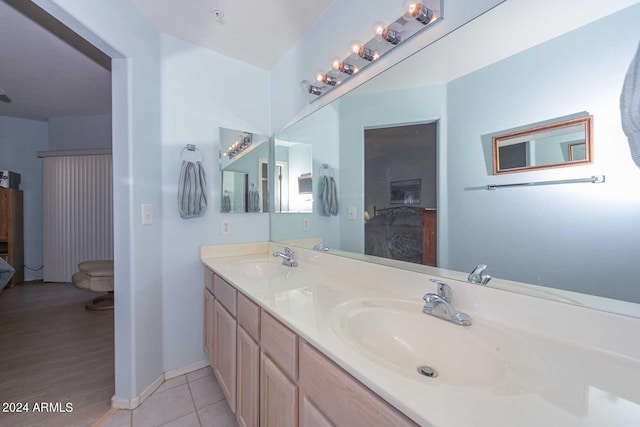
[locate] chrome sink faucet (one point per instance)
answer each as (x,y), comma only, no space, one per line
(287,257)
(477,275)
(441,305)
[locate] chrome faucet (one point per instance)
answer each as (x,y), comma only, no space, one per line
(476,276)
(441,305)
(321,247)
(287,257)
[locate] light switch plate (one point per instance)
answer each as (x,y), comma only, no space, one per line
(225,227)
(147,214)
(306,224)
(351,213)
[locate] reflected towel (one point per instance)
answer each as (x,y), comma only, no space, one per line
(328,196)
(192,190)
(254,201)
(226,203)
(630,107)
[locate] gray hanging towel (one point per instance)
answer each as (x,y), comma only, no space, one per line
(192,190)
(328,196)
(226,202)
(254,200)
(630,107)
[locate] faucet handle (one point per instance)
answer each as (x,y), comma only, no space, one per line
(444,290)
(288,251)
(477,276)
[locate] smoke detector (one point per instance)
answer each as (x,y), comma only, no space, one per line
(218,15)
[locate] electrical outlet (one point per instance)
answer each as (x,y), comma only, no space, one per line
(351,213)
(306,224)
(225,227)
(147,214)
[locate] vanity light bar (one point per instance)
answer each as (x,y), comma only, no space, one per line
(239,146)
(389,36)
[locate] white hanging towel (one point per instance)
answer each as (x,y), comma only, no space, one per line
(192,190)
(630,107)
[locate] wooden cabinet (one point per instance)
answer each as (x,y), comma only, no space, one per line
(343,398)
(224,352)
(310,415)
(11,232)
(248,380)
(430,237)
(278,396)
(273,378)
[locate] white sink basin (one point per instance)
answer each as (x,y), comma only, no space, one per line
(397,335)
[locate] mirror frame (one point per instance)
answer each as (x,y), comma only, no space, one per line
(532,132)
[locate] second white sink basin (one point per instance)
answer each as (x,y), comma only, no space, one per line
(397,335)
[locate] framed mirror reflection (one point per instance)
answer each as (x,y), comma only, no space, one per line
(244,168)
(558,144)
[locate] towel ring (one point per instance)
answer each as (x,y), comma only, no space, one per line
(324,169)
(192,148)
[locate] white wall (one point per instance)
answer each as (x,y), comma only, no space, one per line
(119,29)
(82,132)
(595,224)
(201,91)
(20,140)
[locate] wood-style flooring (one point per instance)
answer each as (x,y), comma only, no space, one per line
(54,351)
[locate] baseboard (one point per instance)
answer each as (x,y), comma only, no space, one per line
(137,401)
(186,369)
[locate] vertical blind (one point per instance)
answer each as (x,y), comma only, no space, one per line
(77,213)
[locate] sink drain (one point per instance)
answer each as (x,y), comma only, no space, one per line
(427,371)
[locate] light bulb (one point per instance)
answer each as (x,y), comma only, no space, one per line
(339,65)
(382,32)
(307,87)
(325,78)
(363,52)
(415,9)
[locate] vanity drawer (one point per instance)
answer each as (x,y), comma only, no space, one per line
(280,343)
(337,393)
(208,279)
(249,316)
(225,293)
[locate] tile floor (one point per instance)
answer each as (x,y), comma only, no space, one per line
(191,400)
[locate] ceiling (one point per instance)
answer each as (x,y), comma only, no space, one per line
(257,32)
(50,76)
(45,76)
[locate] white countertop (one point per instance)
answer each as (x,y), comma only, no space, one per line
(587,362)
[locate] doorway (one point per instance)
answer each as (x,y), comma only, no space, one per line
(400,174)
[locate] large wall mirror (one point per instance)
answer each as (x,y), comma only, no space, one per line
(574,242)
(244,166)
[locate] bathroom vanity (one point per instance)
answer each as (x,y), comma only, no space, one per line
(337,341)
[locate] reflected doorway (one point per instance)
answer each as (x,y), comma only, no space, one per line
(400,192)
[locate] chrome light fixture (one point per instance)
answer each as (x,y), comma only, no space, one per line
(243,142)
(386,37)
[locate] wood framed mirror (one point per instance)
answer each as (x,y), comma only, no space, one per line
(560,144)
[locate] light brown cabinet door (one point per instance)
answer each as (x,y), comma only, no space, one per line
(278,396)
(310,415)
(248,381)
(224,352)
